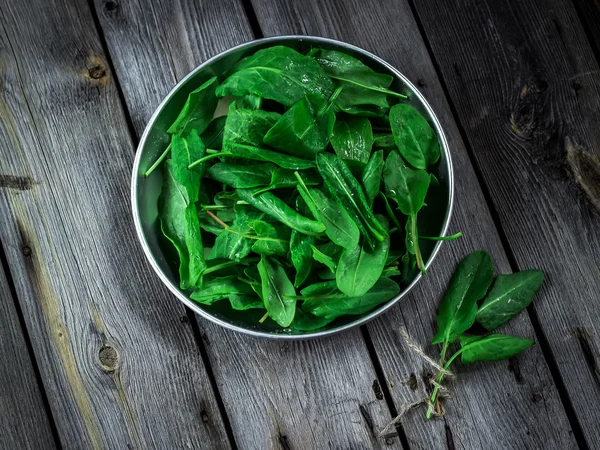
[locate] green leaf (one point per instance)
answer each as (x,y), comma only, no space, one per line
(242,175)
(352,139)
(339,226)
(278,292)
(284,178)
(198,109)
(359,268)
(300,131)
(278,73)
(179,223)
(247,126)
(384,141)
(325,300)
(234,242)
(273,239)
(494,347)
(348,193)
(220,288)
(414,137)
(371,176)
(184,151)
(324,259)
(391,271)
(250,101)
(406,186)
(509,295)
(278,209)
(261,154)
(213,135)
(364,90)
(301,255)
(245,302)
(341,66)
(357,101)
(469,284)
(304,321)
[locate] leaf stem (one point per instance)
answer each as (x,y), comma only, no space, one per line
(228,264)
(442,238)
(158,161)
(436,389)
(208,157)
(331,101)
(389,211)
(415,240)
(246,235)
(263,318)
(372,88)
(213,207)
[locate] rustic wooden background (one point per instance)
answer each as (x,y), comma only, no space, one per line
(95,353)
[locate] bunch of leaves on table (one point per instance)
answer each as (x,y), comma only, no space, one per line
(284,205)
(468,307)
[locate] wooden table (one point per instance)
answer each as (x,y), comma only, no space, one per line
(97,354)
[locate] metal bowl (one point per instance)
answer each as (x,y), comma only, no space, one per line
(145,191)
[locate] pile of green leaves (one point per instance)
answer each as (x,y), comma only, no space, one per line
(285,204)
(466,309)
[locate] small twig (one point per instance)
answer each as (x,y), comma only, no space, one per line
(219,221)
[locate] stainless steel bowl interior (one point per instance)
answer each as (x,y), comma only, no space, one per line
(433,220)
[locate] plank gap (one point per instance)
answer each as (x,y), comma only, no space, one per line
(252,19)
(191,317)
(36,370)
(586,29)
(383,385)
(541,337)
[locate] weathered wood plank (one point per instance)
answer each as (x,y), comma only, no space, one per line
(525,85)
(276,394)
(24,422)
(491,407)
(120,368)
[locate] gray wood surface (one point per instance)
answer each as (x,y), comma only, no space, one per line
(120,368)
(526,86)
(496,405)
(300,395)
(24,421)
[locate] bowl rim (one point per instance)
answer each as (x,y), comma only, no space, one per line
(361,320)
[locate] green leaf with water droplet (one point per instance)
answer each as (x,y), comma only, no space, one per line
(509,295)
(458,309)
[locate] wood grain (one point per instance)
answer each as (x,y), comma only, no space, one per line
(496,405)
(525,84)
(120,368)
(277,395)
(24,422)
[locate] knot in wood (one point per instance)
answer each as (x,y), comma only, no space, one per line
(26,250)
(97,72)
(111,6)
(204,417)
(109,358)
